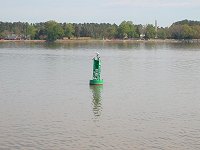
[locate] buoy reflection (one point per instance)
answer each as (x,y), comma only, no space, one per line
(96,99)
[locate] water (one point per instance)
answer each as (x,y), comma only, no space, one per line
(150,99)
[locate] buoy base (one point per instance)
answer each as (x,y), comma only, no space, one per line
(96,82)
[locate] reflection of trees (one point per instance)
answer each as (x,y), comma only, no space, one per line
(96,99)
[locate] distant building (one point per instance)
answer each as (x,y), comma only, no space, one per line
(12,37)
(142,35)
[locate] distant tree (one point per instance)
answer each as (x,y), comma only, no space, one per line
(185,29)
(40,31)
(196,31)
(31,31)
(51,30)
(181,31)
(68,30)
(126,30)
(175,31)
(54,31)
(187,32)
(41,34)
(5,34)
(2,35)
(111,31)
(162,33)
(150,32)
(86,30)
(188,22)
(139,30)
(77,32)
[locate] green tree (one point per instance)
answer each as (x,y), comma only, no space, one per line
(139,31)
(126,30)
(196,31)
(69,30)
(150,31)
(41,31)
(187,32)
(31,31)
(54,31)
(181,31)
(77,32)
(111,32)
(175,31)
(162,33)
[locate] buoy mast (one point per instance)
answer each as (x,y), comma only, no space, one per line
(96,80)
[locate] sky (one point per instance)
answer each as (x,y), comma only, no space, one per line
(100,11)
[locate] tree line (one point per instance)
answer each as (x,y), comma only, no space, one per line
(52,30)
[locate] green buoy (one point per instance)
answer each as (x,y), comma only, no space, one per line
(96,71)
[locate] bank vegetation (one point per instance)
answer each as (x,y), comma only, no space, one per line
(127,30)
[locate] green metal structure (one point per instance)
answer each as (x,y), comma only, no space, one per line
(96,80)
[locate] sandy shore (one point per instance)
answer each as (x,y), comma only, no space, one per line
(107,41)
(28,41)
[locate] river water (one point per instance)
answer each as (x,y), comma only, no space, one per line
(150,99)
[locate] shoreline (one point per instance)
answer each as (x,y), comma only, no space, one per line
(106,41)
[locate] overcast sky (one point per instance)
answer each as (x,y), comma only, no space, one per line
(110,11)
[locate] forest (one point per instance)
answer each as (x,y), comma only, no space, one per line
(52,30)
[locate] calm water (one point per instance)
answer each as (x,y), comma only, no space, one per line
(150,99)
